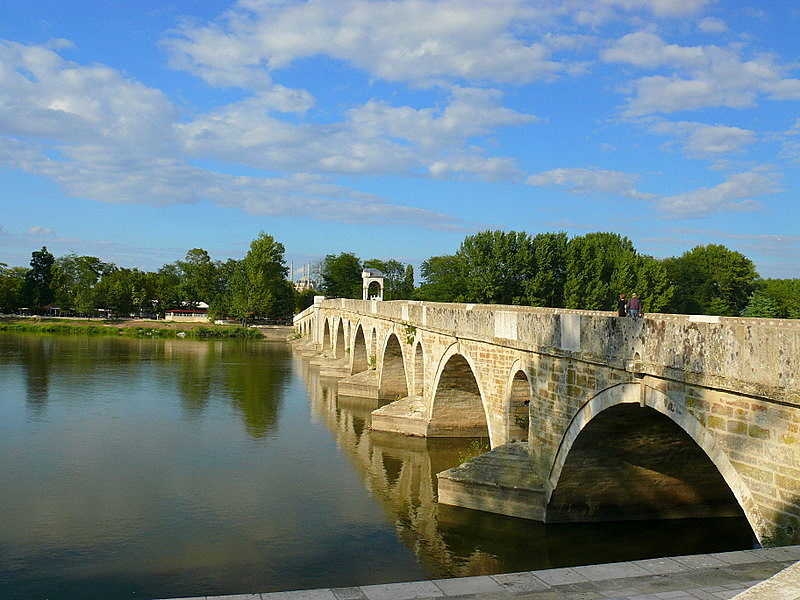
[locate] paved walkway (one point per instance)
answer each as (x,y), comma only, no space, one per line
(764,574)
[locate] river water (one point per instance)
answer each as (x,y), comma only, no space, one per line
(136,469)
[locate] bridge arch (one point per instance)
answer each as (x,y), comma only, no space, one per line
(709,487)
(359,346)
(457,404)
(393,382)
(326,336)
(419,370)
(339,345)
(517,400)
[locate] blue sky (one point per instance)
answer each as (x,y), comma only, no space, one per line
(135,130)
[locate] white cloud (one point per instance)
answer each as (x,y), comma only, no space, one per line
(39,231)
(44,96)
(375,138)
(593,181)
(706,141)
(700,77)
(712,25)
(421,41)
(738,193)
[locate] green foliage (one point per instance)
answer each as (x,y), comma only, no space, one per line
(599,267)
(62,328)
(12,280)
(258,284)
(341,276)
(443,279)
(545,287)
(783,293)
(760,306)
(37,291)
(303,299)
(711,280)
(198,278)
(497,265)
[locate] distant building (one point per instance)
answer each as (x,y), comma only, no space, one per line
(305,283)
(187,315)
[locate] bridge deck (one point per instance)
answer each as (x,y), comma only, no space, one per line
(718,576)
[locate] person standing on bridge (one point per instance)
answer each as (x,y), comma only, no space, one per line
(622,306)
(634,307)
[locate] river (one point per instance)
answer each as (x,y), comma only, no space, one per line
(139,468)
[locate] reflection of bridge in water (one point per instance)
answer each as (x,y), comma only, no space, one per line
(590,417)
(401,473)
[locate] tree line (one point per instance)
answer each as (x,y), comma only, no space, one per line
(253,287)
(583,272)
(491,267)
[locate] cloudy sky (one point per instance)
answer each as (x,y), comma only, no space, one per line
(134,130)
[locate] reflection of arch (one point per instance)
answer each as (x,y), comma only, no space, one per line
(339,349)
(671,438)
(457,407)
(326,336)
(419,370)
(393,370)
(517,403)
(360,362)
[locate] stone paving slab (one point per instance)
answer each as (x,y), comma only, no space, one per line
(763,574)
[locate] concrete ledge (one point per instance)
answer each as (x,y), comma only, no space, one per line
(764,574)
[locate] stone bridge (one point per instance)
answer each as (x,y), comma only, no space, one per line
(589,416)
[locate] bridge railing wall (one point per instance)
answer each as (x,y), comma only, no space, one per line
(761,355)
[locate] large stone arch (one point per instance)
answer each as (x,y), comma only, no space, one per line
(339,340)
(393,382)
(359,353)
(458,407)
(516,402)
(631,395)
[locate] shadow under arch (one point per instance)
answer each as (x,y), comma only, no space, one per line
(393,382)
(360,360)
(419,370)
(516,403)
(339,349)
(326,336)
(457,405)
(664,465)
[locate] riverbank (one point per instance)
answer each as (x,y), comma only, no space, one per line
(140,328)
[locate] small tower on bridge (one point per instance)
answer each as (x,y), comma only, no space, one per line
(372,287)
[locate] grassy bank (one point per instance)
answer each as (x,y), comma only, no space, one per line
(125,328)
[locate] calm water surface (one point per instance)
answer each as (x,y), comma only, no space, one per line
(137,469)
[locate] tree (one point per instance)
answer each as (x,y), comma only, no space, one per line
(761,306)
(258,285)
(711,280)
(599,266)
(784,293)
(442,279)
(198,278)
(12,280)
(37,291)
(341,275)
(74,281)
(546,284)
(497,265)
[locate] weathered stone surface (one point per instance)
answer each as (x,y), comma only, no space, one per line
(732,385)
